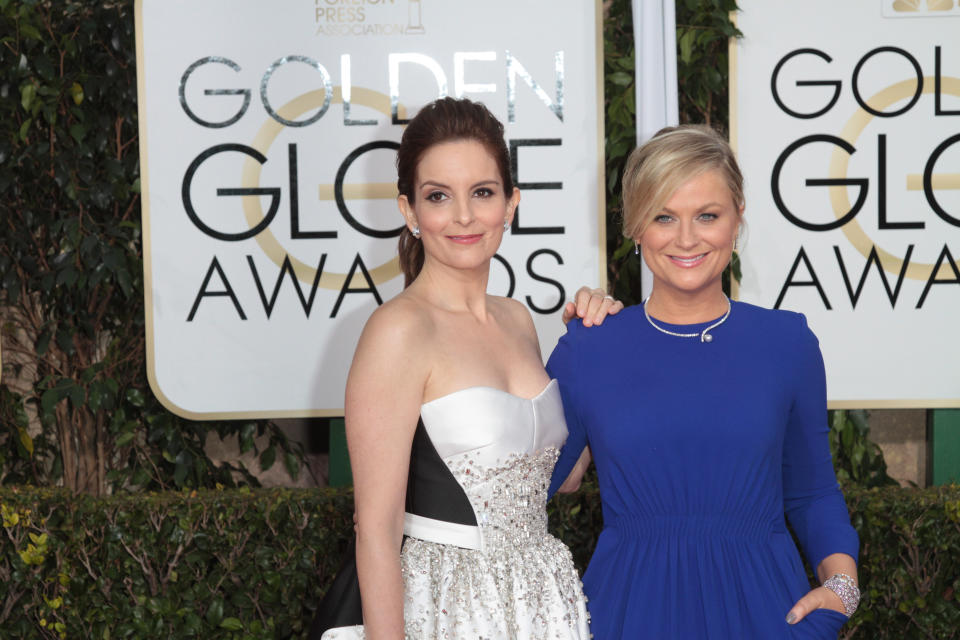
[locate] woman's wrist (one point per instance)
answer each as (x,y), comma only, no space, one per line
(846,589)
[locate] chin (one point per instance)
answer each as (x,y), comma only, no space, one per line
(691,287)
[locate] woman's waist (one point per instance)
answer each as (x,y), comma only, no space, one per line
(696,525)
(517,529)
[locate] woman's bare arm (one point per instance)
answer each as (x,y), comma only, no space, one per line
(572,483)
(384,392)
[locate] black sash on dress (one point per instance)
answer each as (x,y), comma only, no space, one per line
(432,492)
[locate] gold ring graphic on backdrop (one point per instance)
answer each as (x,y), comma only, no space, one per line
(840,161)
(253,211)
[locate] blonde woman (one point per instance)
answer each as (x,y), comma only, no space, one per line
(707,421)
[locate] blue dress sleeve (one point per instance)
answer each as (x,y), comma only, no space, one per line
(813,502)
(562,365)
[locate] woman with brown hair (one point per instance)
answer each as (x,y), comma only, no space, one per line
(453,425)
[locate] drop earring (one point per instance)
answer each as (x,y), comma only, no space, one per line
(636,248)
(506,225)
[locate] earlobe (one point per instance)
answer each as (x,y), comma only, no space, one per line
(512,207)
(408,215)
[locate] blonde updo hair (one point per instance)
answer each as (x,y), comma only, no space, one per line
(660,166)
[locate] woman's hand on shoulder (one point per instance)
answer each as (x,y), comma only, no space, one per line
(592,305)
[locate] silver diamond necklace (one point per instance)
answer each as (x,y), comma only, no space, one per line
(704,335)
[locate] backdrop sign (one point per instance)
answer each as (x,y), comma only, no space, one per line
(268,138)
(846,119)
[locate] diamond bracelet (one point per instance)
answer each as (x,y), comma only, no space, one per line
(845,587)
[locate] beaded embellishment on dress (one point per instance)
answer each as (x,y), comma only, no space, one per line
(521,584)
(505,577)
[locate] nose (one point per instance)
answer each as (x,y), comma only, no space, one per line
(687,237)
(464,212)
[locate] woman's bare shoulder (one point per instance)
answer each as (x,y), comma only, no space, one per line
(517,314)
(400,318)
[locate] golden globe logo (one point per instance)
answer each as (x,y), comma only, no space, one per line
(307,277)
(889,103)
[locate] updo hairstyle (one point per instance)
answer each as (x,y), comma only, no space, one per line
(673,156)
(444,120)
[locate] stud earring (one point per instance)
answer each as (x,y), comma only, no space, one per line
(415,232)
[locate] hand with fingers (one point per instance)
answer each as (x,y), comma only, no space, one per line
(839,592)
(592,305)
(819,598)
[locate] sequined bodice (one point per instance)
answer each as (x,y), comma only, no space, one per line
(501,449)
(477,560)
(510,498)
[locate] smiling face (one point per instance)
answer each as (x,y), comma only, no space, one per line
(688,243)
(459,204)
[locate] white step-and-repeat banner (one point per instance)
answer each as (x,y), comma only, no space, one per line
(268,133)
(846,121)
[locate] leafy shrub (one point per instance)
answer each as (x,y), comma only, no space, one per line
(909,562)
(703,33)
(210,564)
(75,408)
(856,459)
(243,564)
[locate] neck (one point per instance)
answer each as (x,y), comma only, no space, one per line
(454,290)
(686,308)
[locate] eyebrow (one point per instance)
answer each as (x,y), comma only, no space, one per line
(709,205)
(434,183)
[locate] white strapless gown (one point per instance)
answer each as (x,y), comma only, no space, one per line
(506,578)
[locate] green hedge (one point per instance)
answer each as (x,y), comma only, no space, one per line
(75,408)
(209,564)
(246,563)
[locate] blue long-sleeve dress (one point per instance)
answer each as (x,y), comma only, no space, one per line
(701,449)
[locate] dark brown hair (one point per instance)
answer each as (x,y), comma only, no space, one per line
(444,120)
